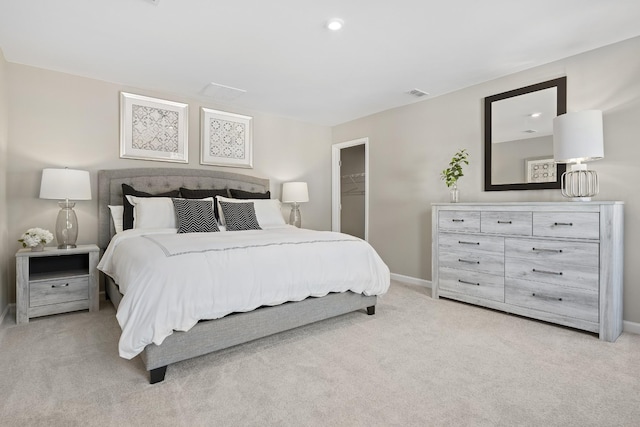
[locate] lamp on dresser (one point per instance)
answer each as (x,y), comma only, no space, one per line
(295,193)
(578,137)
(66,185)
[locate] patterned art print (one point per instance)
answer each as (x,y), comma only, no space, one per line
(227,139)
(541,170)
(154,129)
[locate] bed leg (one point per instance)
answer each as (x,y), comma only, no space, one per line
(157,375)
(371,310)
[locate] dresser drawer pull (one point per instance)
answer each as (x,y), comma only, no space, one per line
(462,242)
(557,251)
(563,223)
(457,220)
(468,261)
(468,283)
(504,222)
(557,273)
(546,297)
(60,286)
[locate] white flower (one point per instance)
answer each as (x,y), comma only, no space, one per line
(34,237)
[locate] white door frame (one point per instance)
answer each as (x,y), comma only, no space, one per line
(336,180)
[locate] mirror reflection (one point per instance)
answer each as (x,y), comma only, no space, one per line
(519,137)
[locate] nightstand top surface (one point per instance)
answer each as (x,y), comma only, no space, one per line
(54,251)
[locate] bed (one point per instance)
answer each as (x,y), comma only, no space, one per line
(231,329)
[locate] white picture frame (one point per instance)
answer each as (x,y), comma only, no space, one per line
(153,129)
(541,169)
(226,139)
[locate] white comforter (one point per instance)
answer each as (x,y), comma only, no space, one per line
(171,281)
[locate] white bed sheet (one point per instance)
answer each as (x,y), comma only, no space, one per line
(171,281)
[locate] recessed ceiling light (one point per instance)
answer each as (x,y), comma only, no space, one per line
(535,115)
(335,24)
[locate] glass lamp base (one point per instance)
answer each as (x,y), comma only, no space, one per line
(66,226)
(294,216)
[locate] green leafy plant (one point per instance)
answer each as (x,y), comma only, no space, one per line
(453,173)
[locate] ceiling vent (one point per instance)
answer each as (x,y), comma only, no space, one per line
(222,92)
(418,93)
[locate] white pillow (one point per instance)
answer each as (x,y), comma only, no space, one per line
(152,212)
(117,212)
(268,211)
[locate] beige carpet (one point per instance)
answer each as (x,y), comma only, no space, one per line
(416,362)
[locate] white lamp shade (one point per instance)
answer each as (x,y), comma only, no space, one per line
(578,137)
(61,184)
(295,192)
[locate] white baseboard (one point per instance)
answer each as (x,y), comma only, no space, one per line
(631,327)
(411,280)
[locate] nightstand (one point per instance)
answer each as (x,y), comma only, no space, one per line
(56,281)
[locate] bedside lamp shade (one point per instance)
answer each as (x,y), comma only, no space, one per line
(578,137)
(295,193)
(65,185)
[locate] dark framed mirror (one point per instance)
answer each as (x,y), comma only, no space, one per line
(518,137)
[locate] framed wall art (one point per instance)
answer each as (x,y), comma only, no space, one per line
(153,129)
(225,139)
(541,170)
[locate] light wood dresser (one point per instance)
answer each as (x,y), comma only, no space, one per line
(56,281)
(558,262)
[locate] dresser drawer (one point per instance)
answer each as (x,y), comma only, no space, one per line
(578,225)
(451,242)
(513,223)
(569,302)
(470,261)
(560,274)
(559,252)
(56,291)
(468,221)
(480,285)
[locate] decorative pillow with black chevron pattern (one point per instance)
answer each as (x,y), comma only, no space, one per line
(195,216)
(239,216)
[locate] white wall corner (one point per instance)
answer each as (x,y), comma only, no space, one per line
(631,327)
(411,280)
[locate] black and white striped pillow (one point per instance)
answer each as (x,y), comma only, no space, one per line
(195,216)
(239,216)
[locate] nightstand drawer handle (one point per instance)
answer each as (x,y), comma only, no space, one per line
(457,220)
(468,261)
(563,223)
(546,297)
(60,286)
(557,251)
(462,242)
(505,222)
(557,273)
(468,283)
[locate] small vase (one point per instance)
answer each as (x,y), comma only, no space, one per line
(454,194)
(37,248)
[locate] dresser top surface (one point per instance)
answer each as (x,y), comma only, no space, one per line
(547,204)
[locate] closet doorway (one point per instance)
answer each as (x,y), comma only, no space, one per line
(350,188)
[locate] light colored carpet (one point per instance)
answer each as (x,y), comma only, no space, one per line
(416,362)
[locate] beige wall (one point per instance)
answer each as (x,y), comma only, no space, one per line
(409,146)
(62,120)
(4,135)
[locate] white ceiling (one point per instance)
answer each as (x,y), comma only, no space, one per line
(289,63)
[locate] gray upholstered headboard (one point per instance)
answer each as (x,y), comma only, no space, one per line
(159,180)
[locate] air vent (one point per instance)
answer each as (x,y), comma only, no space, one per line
(222,92)
(418,93)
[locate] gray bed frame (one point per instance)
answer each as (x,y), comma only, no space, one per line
(211,335)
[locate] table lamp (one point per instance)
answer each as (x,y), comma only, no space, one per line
(295,193)
(66,185)
(578,137)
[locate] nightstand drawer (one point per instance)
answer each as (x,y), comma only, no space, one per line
(513,223)
(47,292)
